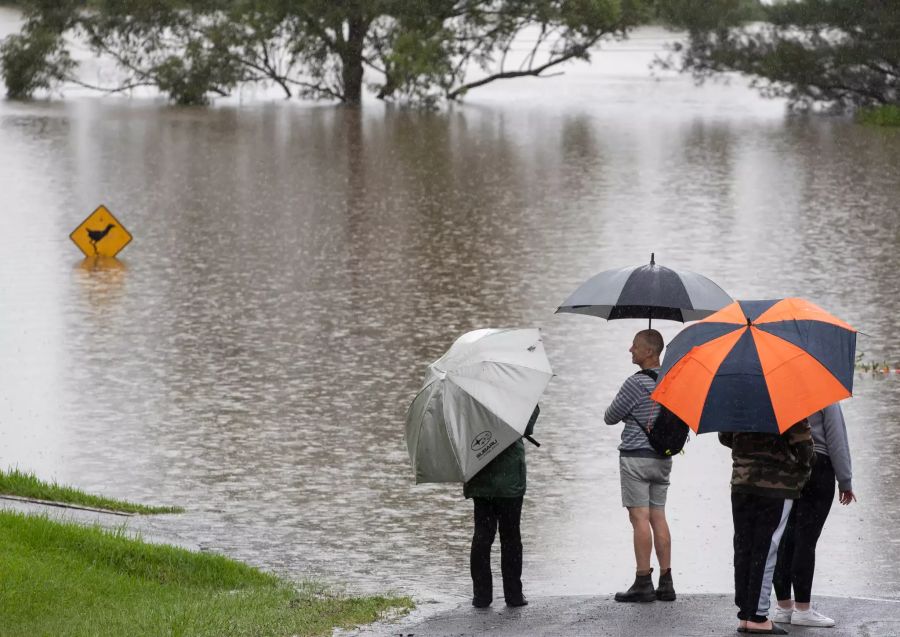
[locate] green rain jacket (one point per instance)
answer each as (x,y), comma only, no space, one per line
(504,476)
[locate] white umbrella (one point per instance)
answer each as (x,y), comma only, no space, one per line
(476,401)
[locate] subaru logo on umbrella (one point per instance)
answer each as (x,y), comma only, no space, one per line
(481,440)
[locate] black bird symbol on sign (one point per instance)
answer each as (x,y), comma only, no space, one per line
(96,235)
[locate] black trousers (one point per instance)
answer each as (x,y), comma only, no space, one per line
(759,522)
(490,513)
(797,552)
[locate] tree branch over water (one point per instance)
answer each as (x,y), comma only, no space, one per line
(840,53)
(413,51)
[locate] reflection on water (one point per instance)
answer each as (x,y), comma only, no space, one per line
(295,268)
(102,280)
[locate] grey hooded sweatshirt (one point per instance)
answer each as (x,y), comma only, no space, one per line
(829,434)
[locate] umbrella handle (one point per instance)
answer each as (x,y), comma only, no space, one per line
(532,441)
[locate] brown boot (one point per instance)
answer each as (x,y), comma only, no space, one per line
(641,591)
(665,592)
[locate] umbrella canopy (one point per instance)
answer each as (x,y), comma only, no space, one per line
(757,366)
(475,402)
(647,291)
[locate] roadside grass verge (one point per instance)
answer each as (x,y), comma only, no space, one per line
(27,485)
(68,580)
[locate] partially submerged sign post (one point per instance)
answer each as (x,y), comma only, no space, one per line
(101,234)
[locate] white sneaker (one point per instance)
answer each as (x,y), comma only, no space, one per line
(782,615)
(810,618)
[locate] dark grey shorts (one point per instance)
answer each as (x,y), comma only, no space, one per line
(645,481)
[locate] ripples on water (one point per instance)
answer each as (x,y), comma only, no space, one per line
(294,268)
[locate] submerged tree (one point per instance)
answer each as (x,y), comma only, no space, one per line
(37,58)
(842,53)
(416,50)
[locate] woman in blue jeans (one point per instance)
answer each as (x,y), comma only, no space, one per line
(797,551)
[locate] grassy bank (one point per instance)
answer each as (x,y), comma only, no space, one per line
(27,485)
(888,115)
(68,580)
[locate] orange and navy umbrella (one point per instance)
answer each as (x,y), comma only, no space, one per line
(757,366)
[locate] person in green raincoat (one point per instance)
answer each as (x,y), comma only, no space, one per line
(498,491)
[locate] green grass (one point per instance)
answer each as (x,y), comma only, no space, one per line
(888,115)
(874,366)
(65,580)
(27,485)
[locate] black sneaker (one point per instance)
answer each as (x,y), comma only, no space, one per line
(517,601)
(481,603)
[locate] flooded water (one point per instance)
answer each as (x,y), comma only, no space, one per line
(294,268)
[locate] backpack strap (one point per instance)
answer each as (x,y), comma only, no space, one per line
(650,374)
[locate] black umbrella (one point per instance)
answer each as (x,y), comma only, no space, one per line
(647,291)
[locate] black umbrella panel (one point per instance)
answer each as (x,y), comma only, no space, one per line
(647,291)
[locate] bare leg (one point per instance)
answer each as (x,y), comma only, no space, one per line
(662,539)
(643,539)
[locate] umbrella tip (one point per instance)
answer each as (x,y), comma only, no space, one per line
(652,258)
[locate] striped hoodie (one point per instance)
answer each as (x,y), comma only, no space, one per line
(633,405)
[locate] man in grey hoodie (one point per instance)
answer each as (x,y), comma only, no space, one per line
(797,551)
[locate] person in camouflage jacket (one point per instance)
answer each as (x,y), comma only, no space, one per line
(768,473)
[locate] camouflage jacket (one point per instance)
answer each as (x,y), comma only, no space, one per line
(769,464)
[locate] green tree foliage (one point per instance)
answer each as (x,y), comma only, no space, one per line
(33,61)
(840,53)
(37,58)
(411,50)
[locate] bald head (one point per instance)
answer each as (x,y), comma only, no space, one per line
(652,339)
(646,349)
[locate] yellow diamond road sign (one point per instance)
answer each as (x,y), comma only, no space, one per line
(101,234)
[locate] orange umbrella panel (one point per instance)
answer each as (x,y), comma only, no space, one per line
(757,366)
